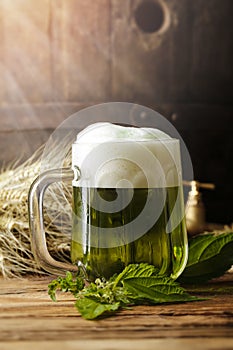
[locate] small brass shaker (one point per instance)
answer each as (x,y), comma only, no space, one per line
(195,209)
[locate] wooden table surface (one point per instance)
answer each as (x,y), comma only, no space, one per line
(30,320)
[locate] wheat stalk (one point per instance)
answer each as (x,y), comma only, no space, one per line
(16,258)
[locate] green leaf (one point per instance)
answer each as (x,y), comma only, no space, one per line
(156,290)
(136,270)
(90,309)
(69,283)
(52,288)
(210,256)
(137,284)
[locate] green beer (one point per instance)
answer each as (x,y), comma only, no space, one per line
(127,200)
(108,253)
(128,204)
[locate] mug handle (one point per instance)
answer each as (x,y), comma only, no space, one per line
(36,222)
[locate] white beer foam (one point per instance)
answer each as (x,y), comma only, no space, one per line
(110,156)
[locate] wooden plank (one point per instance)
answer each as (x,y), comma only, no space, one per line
(36,117)
(127,344)
(188,61)
(2,64)
(17,146)
(27,314)
(26,51)
(212,51)
(184,116)
(150,66)
(80,50)
(89,51)
(49,328)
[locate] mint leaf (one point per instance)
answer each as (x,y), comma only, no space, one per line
(156,289)
(137,284)
(90,309)
(210,256)
(66,284)
(136,270)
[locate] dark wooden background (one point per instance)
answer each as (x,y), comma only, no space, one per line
(176,56)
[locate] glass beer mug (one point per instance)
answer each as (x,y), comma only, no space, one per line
(127,204)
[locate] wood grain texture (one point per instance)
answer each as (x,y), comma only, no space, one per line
(26,51)
(80,37)
(93,51)
(127,344)
(28,316)
(211,51)
(18,146)
(189,61)
(2,66)
(148,66)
